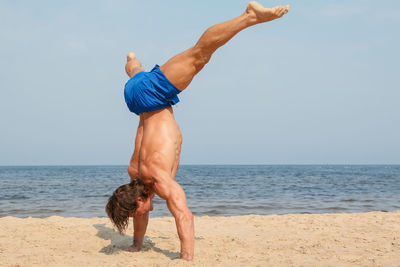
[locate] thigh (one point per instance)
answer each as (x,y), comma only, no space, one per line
(181,69)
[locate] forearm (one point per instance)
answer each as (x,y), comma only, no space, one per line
(185,228)
(139,225)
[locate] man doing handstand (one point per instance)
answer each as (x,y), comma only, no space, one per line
(155,160)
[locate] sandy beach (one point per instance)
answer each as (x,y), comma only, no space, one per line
(353,239)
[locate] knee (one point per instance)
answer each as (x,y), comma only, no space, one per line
(201,56)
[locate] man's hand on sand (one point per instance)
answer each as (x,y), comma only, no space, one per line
(131,249)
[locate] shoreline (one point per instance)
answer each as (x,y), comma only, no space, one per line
(340,211)
(329,239)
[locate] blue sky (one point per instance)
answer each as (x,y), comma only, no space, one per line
(319,86)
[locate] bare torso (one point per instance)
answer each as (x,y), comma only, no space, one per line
(161,143)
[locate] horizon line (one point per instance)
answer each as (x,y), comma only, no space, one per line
(211,164)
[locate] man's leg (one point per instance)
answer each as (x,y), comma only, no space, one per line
(181,69)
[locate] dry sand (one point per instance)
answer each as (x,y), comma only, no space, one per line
(357,239)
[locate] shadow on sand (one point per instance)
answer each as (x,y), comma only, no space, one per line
(120,241)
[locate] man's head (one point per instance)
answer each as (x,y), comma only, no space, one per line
(133,65)
(134,198)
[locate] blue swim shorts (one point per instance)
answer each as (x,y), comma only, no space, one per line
(149,91)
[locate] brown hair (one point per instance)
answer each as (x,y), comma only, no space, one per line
(123,201)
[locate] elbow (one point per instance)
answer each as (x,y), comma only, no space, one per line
(133,173)
(190,216)
(186,216)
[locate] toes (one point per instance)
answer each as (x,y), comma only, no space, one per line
(287,8)
(275,9)
(282,10)
(279,11)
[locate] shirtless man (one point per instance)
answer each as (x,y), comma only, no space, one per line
(155,160)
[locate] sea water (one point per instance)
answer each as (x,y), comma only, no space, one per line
(213,190)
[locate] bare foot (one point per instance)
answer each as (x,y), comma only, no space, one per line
(262,14)
(133,65)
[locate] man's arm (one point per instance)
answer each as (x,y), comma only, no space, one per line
(139,230)
(139,221)
(173,193)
